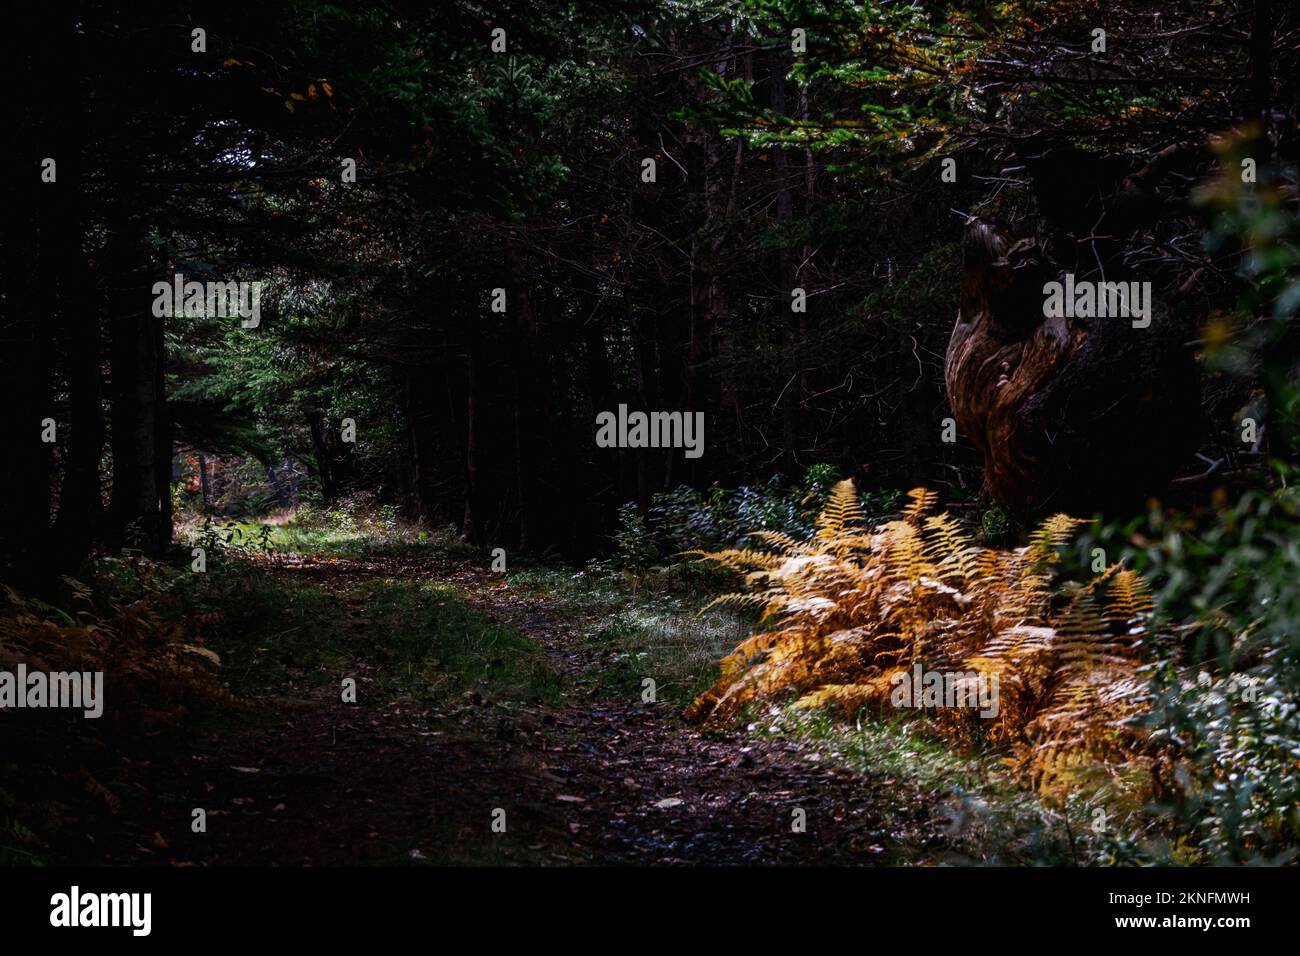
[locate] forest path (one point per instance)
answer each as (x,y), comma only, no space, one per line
(583,775)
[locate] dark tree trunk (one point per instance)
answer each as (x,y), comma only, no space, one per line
(164,450)
(24,385)
(474,521)
(534,439)
(204,484)
(791,386)
(601,489)
(320,445)
(80,505)
(283,490)
(1070,414)
(643,352)
(136,394)
(421,443)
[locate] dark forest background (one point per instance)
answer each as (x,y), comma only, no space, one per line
(521,170)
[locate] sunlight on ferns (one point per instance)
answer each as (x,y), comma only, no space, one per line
(849,612)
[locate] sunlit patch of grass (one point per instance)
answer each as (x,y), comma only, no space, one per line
(432,633)
(984,817)
(570,590)
(416,638)
(671,644)
(336,535)
(641,633)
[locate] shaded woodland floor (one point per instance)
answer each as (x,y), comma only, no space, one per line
(584,778)
(530,708)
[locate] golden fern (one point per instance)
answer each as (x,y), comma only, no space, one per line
(1051,536)
(923,499)
(842,511)
(1130,604)
(854,609)
(779,543)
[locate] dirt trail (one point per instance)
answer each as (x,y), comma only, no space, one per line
(592,780)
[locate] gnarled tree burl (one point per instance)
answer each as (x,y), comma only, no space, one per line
(1070,414)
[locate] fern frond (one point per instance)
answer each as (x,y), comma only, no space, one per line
(1052,535)
(842,511)
(780,543)
(1129,604)
(923,499)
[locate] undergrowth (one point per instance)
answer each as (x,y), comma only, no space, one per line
(59,770)
(850,612)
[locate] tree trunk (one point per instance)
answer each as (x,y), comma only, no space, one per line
(474,522)
(421,444)
(24,385)
(204,484)
(791,384)
(1070,414)
(317,425)
(80,505)
(136,393)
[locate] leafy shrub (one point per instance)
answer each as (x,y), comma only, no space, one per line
(684,518)
(1227,678)
(636,546)
(132,623)
(222,540)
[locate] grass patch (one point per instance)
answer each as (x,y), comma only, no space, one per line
(283,636)
(676,647)
(573,592)
(988,819)
(330,535)
(641,632)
